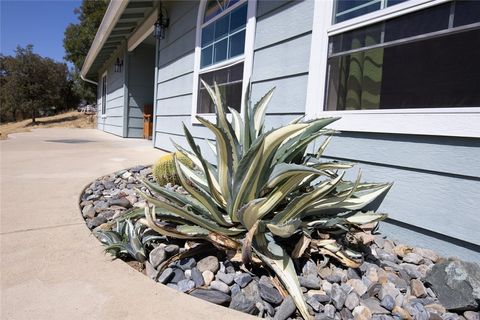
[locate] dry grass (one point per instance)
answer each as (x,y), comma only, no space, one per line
(71,119)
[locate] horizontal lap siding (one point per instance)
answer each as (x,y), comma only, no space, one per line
(281,57)
(175,79)
(112,120)
(140,87)
(436,183)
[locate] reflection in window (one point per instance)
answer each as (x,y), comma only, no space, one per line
(432,73)
(229,81)
(222,38)
(348,9)
(417,23)
(215,7)
(226,32)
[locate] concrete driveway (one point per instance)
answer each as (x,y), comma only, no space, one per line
(51,267)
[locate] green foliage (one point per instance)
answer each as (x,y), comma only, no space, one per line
(77,41)
(31,84)
(79,37)
(265,189)
(164,170)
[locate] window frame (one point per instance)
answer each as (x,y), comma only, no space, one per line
(460,122)
(246,57)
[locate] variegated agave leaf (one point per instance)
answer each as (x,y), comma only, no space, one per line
(279,261)
(126,239)
(259,111)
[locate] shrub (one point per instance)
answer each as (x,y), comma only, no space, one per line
(164,170)
(263,190)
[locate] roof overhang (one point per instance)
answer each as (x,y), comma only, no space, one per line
(124,19)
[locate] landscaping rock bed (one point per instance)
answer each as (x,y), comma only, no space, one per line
(395,281)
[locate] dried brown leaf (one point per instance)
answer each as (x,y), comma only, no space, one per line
(301,246)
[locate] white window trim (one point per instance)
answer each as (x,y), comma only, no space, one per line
(247,57)
(459,122)
(105,74)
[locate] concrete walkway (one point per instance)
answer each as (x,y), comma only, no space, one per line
(51,267)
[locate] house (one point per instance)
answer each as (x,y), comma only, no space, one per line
(404,75)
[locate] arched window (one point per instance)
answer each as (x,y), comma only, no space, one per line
(224,51)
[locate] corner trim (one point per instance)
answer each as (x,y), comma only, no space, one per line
(126,65)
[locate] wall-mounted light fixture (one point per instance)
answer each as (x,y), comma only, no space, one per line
(161,24)
(118,65)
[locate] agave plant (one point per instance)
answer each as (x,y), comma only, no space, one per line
(127,239)
(263,188)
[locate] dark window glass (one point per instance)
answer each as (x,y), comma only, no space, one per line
(220,51)
(346,5)
(206,58)
(358,38)
(466,12)
(215,7)
(229,81)
(227,35)
(237,44)
(348,9)
(207,35)
(434,73)
(420,22)
(394,2)
(221,27)
(238,18)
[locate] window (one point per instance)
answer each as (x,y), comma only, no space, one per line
(221,57)
(224,38)
(426,59)
(348,9)
(104,93)
(229,81)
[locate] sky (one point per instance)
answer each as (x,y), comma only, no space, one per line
(39,22)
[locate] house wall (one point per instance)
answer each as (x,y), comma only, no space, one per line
(436,179)
(436,186)
(112,120)
(175,78)
(283,31)
(281,57)
(141,73)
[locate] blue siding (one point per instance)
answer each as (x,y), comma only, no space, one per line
(436,185)
(175,78)
(281,57)
(112,120)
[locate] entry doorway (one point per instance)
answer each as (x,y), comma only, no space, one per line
(140,88)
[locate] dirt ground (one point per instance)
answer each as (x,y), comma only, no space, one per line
(71,119)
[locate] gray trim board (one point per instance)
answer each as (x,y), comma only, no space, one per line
(126,118)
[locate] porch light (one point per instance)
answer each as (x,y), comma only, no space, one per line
(118,65)
(161,25)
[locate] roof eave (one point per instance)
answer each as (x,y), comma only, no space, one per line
(111,17)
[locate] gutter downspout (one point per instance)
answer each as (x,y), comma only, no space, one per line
(88,80)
